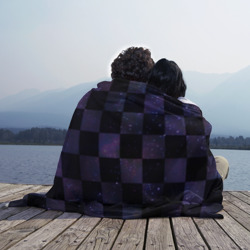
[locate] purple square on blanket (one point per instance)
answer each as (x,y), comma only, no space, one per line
(89,168)
(174,125)
(72,189)
(175,170)
(111,193)
(91,120)
(131,170)
(109,145)
(132,123)
(154,104)
(82,103)
(196,146)
(115,101)
(194,192)
(152,192)
(104,86)
(153,147)
(71,144)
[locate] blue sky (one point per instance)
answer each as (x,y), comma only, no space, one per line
(48,44)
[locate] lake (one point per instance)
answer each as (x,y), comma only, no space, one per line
(37,165)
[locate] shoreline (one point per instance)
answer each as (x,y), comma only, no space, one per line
(36,144)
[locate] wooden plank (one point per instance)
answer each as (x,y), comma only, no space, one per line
(71,238)
(17,233)
(159,234)
(6,212)
(237,202)
(186,234)
(20,194)
(242,217)
(19,218)
(103,236)
(13,189)
(214,234)
(47,233)
(131,235)
(246,193)
(241,196)
(4,186)
(239,234)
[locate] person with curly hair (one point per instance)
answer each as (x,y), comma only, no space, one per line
(133,64)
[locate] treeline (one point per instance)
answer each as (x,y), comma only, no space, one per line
(230,142)
(52,136)
(39,136)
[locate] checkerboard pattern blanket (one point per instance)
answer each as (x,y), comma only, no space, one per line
(131,151)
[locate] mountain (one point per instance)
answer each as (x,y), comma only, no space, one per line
(200,83)
(227,105)
(52,101)
(223,99)
(52,108)
(17,98)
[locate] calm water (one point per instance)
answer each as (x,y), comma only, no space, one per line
(37,165)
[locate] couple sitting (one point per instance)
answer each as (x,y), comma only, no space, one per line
(136,148)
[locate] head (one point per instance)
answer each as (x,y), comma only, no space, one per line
(134,64)
(167,76)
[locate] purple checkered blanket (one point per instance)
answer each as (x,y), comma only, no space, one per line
(133,152)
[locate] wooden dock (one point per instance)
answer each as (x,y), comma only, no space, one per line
(34,228)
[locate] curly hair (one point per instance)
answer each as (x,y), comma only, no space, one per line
(167,76)
(134,64)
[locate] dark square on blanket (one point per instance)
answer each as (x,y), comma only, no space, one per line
(131,146)
(88,144)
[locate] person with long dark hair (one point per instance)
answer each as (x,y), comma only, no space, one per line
(167,76)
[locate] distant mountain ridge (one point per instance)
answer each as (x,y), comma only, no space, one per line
(223,99)
(227,106)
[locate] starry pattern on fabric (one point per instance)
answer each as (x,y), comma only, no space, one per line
(131,151)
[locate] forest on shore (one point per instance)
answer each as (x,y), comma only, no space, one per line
(36,136)
(53,136)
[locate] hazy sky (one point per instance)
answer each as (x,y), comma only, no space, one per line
(47,44)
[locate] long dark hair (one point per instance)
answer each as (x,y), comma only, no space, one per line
(167,76)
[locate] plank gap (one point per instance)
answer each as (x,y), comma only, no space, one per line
(145,234)
(227,232)
(201,234)
(173,233)
(241,196)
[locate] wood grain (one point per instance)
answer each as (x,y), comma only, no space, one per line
(159,234)
(241,196)
(19,218)
(20,193)
(72,237)
(17,233)
(237,202)
(214,234)
(131,235)
(103,236)
(187,235)
(41,237)
(239,234)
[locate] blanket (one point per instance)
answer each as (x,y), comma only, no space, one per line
(132,151)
